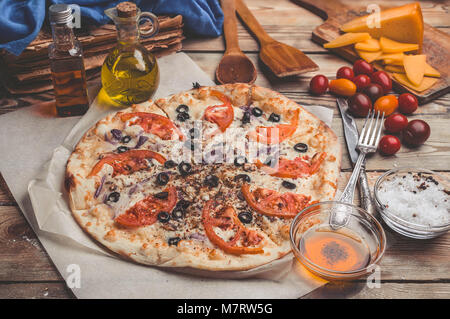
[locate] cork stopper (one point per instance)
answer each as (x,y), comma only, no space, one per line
(126,9)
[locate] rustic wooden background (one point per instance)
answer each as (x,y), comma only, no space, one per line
(410,268)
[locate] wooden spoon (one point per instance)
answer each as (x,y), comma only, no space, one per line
(235,66)
(281,58)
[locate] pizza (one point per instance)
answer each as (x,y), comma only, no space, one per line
(209,178)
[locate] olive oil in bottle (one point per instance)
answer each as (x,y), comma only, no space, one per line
(130,73)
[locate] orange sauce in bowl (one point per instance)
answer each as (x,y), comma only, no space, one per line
(340,250)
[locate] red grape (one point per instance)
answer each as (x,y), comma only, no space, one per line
(383,79)
(361,81)
(359,105)
(362,67)
(416,132)
(407,103)
(373,91)
(395,123)
(318,84)
(389,145)
(345,73)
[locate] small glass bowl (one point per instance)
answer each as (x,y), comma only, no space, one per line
(400,225)
(364,225)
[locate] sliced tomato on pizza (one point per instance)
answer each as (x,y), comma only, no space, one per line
(127,162)
(275,134)
(156,124)
(222,114)
(226,219)
(296,168)
(145,212)
(271,203)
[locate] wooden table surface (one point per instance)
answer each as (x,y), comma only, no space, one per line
(409,269)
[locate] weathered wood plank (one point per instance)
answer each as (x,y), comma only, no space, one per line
(21,254)
(50,290)
(387,290)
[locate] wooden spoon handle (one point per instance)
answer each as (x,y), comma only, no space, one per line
(230,26)
(251,22)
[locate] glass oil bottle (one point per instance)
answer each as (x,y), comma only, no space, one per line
(67,64)
(130,73)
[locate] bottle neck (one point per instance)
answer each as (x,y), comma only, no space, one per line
(63,37)
(127,33)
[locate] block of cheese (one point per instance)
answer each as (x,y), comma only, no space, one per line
(347,39)
(391,46)
(426,83)
(371,45)
(369,56)
(415,67)
(403,24)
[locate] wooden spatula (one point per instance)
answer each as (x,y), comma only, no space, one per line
(281,58)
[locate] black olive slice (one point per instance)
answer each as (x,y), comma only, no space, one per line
(182,117)
(162,178)
(170,164)
(245,217)
(163,217)
(256,111)
(246,118)
(174,241)
(301,147)
(182,203)
(182,108)
(177,213)
(114,197)
(240,195)
(162,195)
(240,160)
(242,177)
(122,149)
(288,185)
(126,139)
(274,117)
(211,181)
(185,168)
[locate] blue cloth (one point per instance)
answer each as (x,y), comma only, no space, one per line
(21,20)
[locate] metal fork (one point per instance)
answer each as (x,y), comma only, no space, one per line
(367,143)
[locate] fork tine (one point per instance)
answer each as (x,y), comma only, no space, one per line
(379,131)
(375,130)
(369,129)
(363,131)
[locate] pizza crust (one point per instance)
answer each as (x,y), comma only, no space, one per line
(147,244)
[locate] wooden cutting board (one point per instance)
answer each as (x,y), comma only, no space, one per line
(436,44)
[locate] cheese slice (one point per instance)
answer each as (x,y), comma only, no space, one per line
(429,70)
(346,39)
(369,56)
(415,67)
(371,45)
(393,62)
(391,46)
(426,83)
(403,24)
(392,56)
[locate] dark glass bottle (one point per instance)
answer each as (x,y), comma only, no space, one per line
(67,64)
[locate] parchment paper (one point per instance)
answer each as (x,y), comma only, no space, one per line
(31,157)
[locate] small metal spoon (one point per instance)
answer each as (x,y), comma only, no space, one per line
(235,66)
